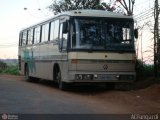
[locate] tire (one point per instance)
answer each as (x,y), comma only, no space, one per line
(61,85)
(27,78)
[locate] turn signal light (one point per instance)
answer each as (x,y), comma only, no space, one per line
(74,61)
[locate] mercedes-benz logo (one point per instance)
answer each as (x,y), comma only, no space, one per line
(105,67)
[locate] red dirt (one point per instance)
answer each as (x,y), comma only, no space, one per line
(140,101)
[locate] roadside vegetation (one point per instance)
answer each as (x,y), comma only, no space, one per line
(8,68)
(144,70)
(145,75)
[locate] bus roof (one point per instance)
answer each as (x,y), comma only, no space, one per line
(94,13)
(85,13)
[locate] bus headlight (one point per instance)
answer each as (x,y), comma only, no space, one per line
(84,77)
(79,77)
(117,76)
(95,76)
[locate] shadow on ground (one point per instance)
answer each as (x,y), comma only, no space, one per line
(100,88)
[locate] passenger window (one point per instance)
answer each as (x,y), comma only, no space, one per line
(20,39)
(37,34)
(52,31)
(30,36)
(24,38)
(56,30)
(45,30)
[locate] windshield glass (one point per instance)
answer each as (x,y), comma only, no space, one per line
(102,34)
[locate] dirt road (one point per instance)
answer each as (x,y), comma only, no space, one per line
(19,96)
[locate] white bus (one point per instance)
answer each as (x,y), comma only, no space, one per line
(79,46)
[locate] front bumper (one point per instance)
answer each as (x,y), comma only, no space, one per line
(102,77)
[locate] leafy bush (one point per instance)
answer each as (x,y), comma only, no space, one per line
(3,65)
(13,70)
(10,68)
(144,70)
(148,70)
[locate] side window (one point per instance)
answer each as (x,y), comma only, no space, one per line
(37,34)
(56,30)
(24,38)
(52,31)
(45,31)
(30,36)
(20,39)
(63,38)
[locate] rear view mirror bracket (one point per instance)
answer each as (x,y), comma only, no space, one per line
(136,33)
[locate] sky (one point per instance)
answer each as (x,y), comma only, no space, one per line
(13,18)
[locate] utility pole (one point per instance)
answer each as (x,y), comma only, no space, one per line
(156,40)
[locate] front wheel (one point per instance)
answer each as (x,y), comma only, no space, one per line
(62,85)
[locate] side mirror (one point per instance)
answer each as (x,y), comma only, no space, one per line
(136,33)
(65,27)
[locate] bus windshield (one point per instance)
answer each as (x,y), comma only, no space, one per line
(102,34)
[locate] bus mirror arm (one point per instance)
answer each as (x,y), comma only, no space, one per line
(136,33)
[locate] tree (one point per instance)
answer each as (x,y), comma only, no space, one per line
(119,6)
(3,65)
(156,40)
(129,7)
(66,5)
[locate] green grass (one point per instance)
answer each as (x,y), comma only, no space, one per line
(13,70)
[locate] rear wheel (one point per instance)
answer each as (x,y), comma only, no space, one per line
(27,78)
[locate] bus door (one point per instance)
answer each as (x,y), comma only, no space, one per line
(63,48)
